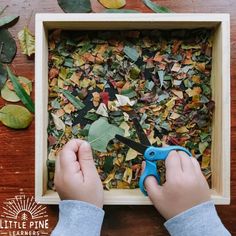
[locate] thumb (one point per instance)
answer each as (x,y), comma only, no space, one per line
(153,189)
(85,158)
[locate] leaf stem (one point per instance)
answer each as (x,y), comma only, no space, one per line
(3,9)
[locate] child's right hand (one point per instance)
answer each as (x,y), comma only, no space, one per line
(185,186)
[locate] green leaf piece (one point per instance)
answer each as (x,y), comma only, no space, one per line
(121,11)
(7,46)
(15,116)
(3,76)
(101,132)
(131,53)
(75,6)
(75,101)
(156,7)
(21,93)
(8,21)
(27,41)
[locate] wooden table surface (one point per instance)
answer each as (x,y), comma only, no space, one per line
(17,147)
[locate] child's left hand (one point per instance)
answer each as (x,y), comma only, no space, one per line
(76,177)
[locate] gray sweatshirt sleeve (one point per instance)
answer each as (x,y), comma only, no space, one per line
(197,221)
(78,218)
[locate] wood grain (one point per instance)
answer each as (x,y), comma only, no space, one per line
(17,147)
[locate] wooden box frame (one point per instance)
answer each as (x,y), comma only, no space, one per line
(220,85)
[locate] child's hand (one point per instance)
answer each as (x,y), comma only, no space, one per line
(76,177)
(184,188)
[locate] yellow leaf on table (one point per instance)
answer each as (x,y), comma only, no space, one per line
(68,108)
(113,4)
(205,161)
(131,154)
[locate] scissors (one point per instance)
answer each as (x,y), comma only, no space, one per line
(151,153)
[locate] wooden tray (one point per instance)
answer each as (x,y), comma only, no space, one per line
(220,160)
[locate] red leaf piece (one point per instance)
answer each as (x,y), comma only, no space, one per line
(105,97)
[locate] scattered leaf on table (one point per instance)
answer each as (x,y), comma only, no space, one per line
(121,11)
(156,7)
(3,76)
(75,101)
(8,21)
(113,4)
(7,46)
(101,132)
(21,93)
(15,116)
(59,124)
(10,95)
(27,41)
(75,6)
(131,53)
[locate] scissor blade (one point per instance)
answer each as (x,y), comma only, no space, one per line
(132,144)
(140,132)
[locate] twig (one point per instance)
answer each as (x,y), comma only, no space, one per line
(3,9)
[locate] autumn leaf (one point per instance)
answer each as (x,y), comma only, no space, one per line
(27,42)
(113,4)
(15,116)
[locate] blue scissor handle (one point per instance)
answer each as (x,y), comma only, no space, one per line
(153,154)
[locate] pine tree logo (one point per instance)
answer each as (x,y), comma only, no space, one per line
(24,217)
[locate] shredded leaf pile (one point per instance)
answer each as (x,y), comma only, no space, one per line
(99,80)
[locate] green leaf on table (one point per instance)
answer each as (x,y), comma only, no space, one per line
(27,41)
(75,101)
(121,11)
(7,46)
(21,93)
(8,21)
(131,53)
(75,6)
(156,7)
(113,4)
(15,116)
(10,95)
(101,132)
(3,76)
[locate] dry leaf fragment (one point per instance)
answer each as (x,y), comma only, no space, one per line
(178,93)
(59,124)
(124,101)
(176,67)
(102,110)
(96,98)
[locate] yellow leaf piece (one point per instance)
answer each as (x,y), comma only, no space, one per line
(68,108)
(113,4)
(127,175)
(205,161)
(27,41)
(131,154)
(193,92)
(178,93)
(125,127)
(182,129)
